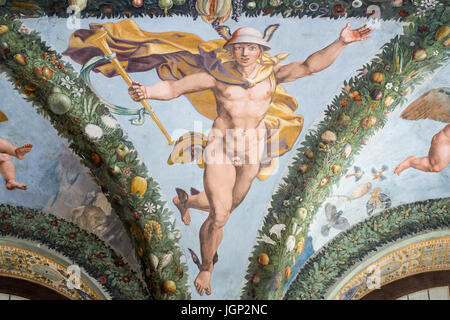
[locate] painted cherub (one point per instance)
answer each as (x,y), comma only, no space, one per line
(7,168)
(434,105)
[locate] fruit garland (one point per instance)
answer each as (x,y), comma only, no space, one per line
(322,271)
(84,249)
(329,149)
(219,11)
(97,156)
(57,93)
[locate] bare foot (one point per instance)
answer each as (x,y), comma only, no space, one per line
(405,164)
(180,202)
(13,184)
(202,282)
(23,150)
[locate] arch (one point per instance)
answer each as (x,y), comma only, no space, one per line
(354,250)
(27,289)
(411,284)
(54,253)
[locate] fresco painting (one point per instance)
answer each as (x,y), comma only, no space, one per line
(57,182)
(211,104)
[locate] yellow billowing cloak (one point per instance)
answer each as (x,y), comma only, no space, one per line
(177,54)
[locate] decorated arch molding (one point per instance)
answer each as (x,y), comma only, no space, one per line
(57,254)
(411,259)
(359,111)
(326,274)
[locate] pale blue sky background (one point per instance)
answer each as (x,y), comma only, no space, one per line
(297,37)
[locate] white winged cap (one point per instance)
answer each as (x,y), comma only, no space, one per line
(247,35)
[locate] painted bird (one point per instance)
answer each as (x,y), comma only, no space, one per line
(358,174)
(379,174)
(377,200)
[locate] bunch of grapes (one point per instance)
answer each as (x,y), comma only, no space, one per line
(238,5)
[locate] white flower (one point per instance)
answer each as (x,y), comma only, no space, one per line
(77,93)
(67,82)
(389,85)
(93,131)
(435,52)
(412,44)
(290,243)
(266,239)
(396,89)
(277,229)
(109,122)
(150,208)
(286,203)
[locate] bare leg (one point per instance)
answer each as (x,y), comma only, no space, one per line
(8,148)
(244,178)
(198,201)
(405,164)
(23,150)
(8,171)
(180,201)
(245,174)
(184,202)
(219,181)
(438,155)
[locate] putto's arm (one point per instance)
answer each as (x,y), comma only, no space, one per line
(321,59)
(171,89)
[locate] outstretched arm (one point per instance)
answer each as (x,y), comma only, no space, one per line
(321,59)
(171,89)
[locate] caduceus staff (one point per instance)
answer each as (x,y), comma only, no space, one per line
(99,40)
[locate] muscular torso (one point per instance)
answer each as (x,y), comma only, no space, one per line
(241,112)
(240,108)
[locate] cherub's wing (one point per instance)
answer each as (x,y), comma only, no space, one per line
(224,32)
(268,33)
(434,105)
(3,117)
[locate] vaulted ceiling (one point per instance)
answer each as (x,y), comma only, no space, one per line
(98,206)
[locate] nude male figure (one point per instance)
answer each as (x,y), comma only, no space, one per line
(438,155)
(7,168)
(227,182)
